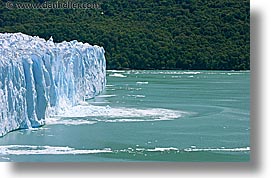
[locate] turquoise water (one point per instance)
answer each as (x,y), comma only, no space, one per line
(147,116)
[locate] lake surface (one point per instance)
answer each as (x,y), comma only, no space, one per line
(147,116)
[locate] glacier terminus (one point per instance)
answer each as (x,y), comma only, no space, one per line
(39,78)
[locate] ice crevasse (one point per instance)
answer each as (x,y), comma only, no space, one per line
(39,78)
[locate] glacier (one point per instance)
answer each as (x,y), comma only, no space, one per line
(40,78)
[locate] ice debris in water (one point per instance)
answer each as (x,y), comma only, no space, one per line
(39,78)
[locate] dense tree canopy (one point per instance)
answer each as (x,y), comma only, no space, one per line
(147,34)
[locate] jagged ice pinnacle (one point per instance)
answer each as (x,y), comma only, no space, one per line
(40,78)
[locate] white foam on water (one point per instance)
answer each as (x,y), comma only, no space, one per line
(217,149)
(101,102)
(167,72)
(193,149)
(176,76)
(64,121)
(134,89)
(109,114)
(105,96)
(190,72)
(116,71)
(142,83)
(46,150)
(227,73)
(5,158)
(137,96)
(235,73)
(163,149)
(65,150)
(124,120)
(39,128)
(129,120)
(117,75)
(110,89)
(180,72)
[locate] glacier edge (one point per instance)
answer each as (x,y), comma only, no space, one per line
(40,78)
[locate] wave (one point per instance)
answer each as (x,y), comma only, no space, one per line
(142,83)
(176,76)
(116,71)
(181,72)
(46,150)
(195,149)
(217,149)
(62,150)
(227,73)
(105,96)
(117,75)
(137,96)
(167,72)
(101,102)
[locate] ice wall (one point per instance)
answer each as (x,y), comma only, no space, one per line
(39,78)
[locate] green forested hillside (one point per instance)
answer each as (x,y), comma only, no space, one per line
(147,34)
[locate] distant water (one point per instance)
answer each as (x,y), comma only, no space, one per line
(147,116)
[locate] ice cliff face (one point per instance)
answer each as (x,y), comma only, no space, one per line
(39,78)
